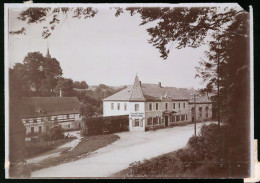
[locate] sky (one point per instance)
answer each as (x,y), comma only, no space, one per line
(106,49)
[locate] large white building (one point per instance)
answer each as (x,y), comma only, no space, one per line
(154,105)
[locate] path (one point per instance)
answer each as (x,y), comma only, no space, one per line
(56,152)
(132,146)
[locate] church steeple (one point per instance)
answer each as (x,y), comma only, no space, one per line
(48,55)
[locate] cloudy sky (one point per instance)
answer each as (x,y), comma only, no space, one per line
(106,49)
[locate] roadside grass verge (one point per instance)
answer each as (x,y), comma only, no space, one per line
(37,148)
(203,156)
(83,149)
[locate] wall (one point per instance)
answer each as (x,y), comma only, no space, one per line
(107,111)
(203,117)
(139,115)
(73,121)
(162,108)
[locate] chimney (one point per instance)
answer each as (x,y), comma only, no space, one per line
(160,84)
(60,93)
(140,83)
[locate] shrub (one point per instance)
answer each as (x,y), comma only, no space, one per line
(203,156)
(54,133)
(97,125)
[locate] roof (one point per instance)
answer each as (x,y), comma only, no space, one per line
(169,112)
(153,92)
(46,106)
(137,93)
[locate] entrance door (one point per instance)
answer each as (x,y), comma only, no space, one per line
(166,120)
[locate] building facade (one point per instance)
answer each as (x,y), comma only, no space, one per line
(37,111)
(151,105)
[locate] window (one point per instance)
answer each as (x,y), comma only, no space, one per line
(27,121)
(200,111)
(178,118)
(112,106)
(192,111)
(166,105)
(136,122)
(150,121)
(118,106)
(125,106)
(150,106)
(155,121)
(184,105)
(160,120)
(157,106)
(182,117)
(55,119)
(68,125)
(40,129)
(35,121)
(173,118)
(136,107)
(179,105)
(207,112)
(68,116)
(173,106)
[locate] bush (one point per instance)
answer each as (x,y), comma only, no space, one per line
(161,166)
(98,125)
(202,157)
(54,133)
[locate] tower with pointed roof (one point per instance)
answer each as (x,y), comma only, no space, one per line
(137,93)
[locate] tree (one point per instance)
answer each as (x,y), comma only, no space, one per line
(65,86)
(227,59)
(83,85)
(37,73)
(18,85)
(182,26)
(80,85)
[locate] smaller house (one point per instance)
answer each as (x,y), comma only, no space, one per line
(37,110)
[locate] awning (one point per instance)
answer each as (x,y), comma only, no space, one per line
(169,112)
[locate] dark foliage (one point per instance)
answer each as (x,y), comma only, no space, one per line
(37,75)
(99,125)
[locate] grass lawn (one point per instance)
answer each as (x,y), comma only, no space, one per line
(86,146)
(37,148)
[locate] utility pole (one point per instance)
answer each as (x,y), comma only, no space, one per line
(194,97)
(195,114)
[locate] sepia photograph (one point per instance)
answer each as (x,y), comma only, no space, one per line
(128,91)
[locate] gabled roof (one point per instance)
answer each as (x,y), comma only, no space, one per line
(123,95)
(46,106)
(153,92)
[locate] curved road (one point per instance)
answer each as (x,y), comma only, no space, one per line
(132,146)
